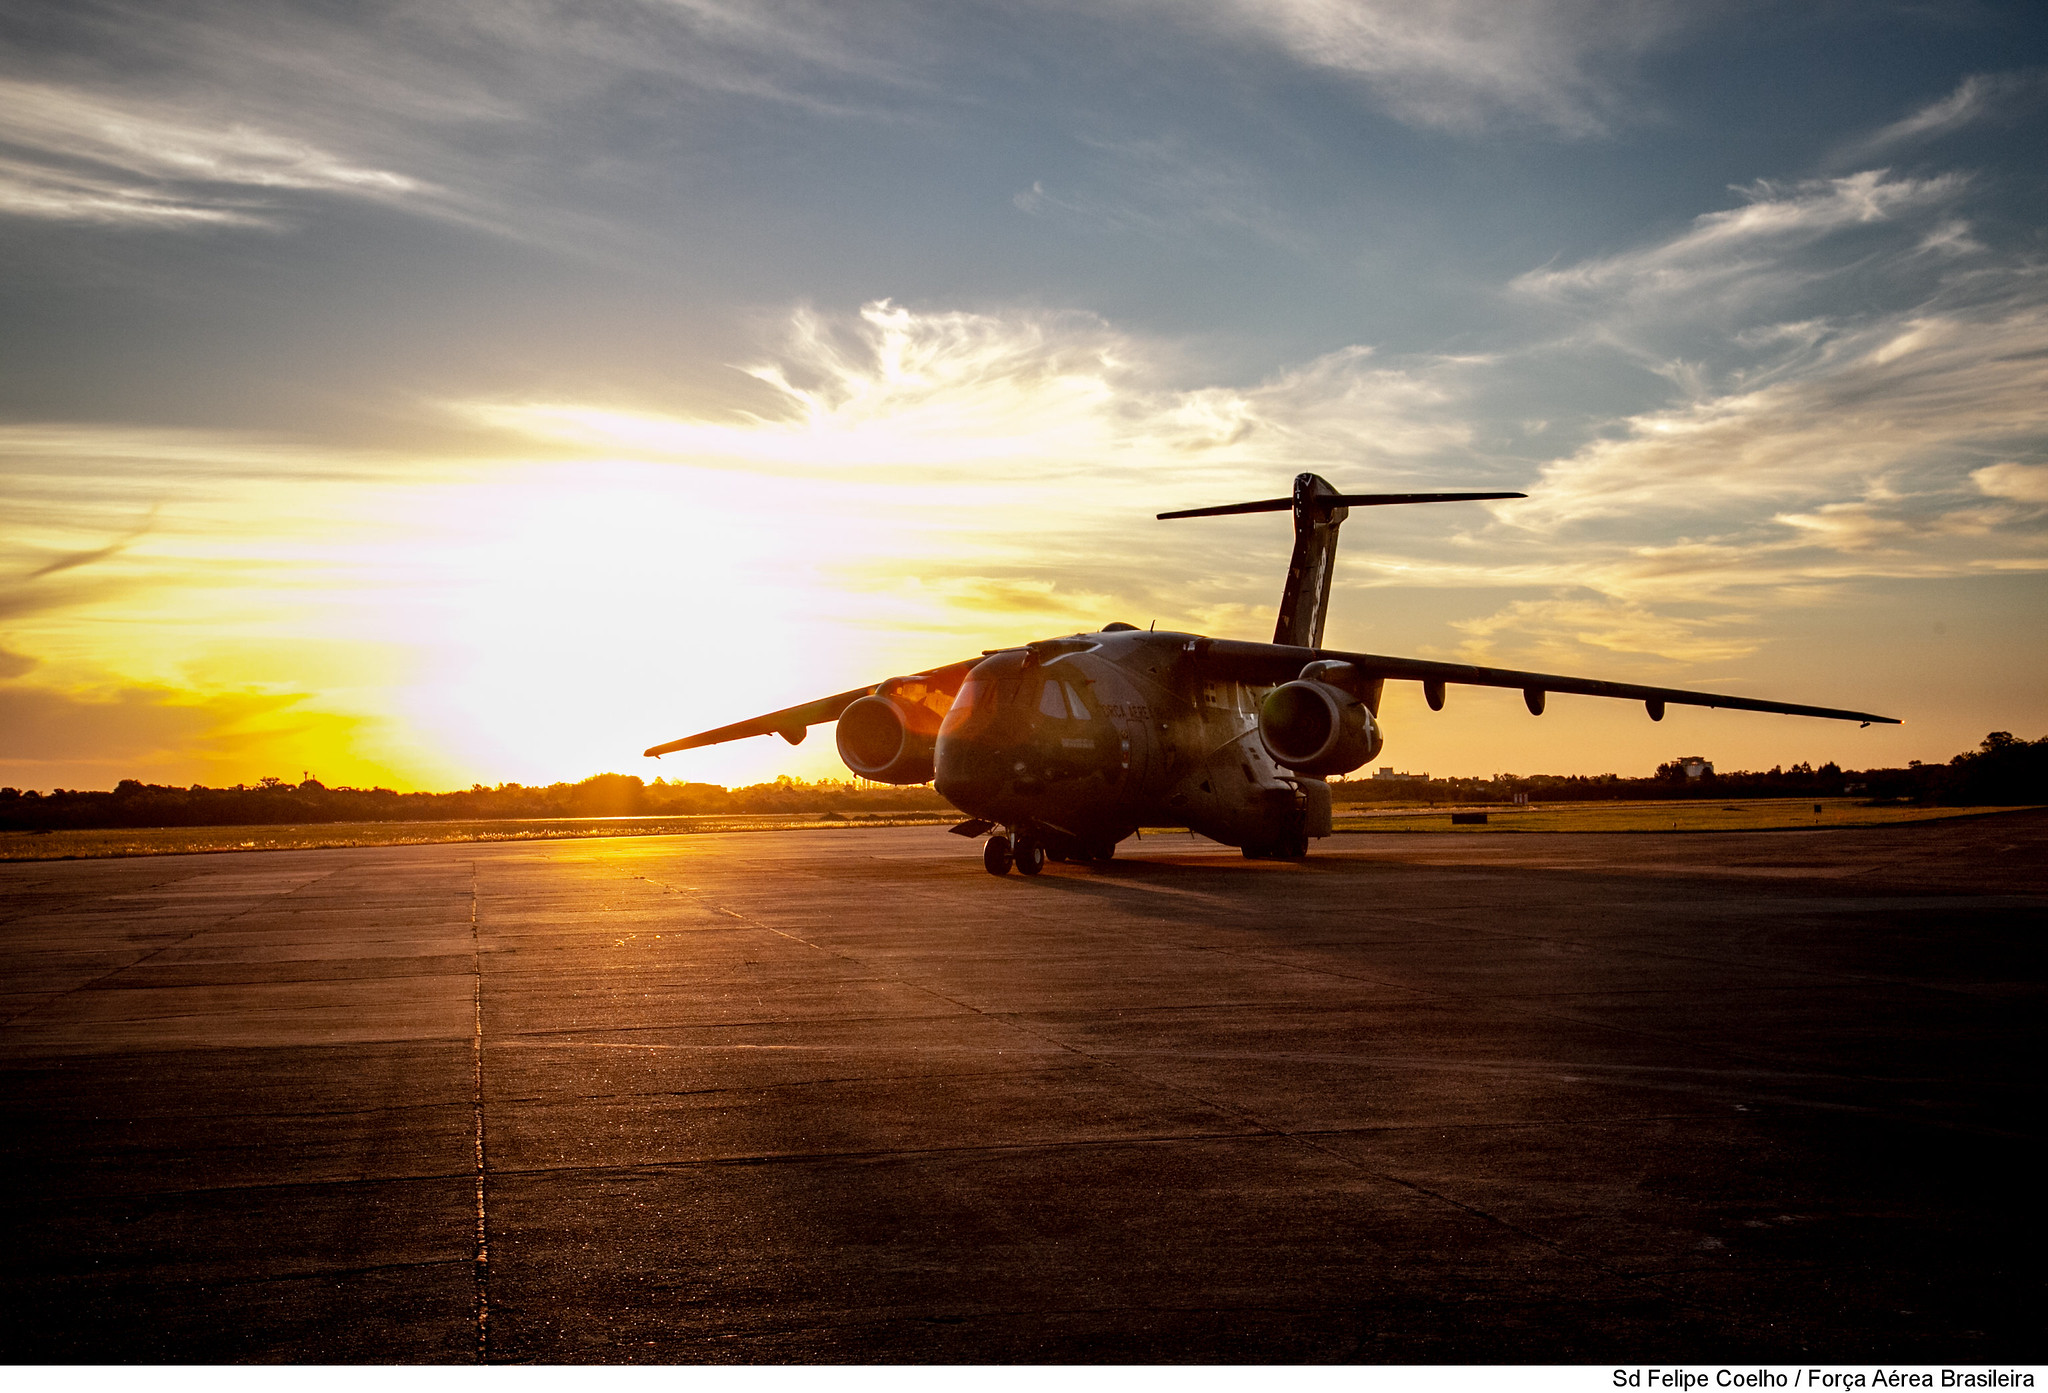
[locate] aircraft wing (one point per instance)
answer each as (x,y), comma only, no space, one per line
(1265,663)
(792,723)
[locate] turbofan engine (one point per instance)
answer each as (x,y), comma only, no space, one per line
(1316,728)
(888,739)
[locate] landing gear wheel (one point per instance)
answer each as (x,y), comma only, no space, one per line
(1099,851)
(1030,857)
(995,855)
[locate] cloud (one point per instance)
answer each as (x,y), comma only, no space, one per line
(89,157)
(1563,629)
(1851,458)
(2027,483)
(72,560)
(1979,97)
(1846,356)
(1470,65)
(96,735)
(128,722)
(233,114)
(1750,242)
(1906,397)
(1025,395)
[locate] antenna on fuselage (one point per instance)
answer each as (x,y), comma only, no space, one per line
(1319,510)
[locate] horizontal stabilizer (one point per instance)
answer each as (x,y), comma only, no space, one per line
(1340,500)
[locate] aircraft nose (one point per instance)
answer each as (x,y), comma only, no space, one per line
(966,768)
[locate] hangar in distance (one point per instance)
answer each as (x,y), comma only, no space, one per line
(1064,747)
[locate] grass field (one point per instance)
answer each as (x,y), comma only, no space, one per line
(1691,815)
(1686,815)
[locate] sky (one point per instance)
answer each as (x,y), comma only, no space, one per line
(435,394)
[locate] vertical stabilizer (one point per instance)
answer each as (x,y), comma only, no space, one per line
(1319,510)
(1305,602)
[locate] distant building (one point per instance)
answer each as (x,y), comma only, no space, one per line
(1387,773)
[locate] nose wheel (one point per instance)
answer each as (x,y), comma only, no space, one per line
(999,853)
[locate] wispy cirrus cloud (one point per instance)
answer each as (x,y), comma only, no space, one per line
(1846,354)
(1470,65)
(1752,243)
(1977,98)
(1928,395)
(79,156)
(228,115)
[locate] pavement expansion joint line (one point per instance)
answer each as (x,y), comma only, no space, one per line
(481,1265)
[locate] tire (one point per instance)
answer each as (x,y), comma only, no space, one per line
(996,855)
(1030,857)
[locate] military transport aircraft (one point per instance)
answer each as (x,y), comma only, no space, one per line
(1064,747)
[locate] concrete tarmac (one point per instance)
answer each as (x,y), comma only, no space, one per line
(842,1096)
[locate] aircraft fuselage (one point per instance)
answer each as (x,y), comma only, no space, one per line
(1082,740)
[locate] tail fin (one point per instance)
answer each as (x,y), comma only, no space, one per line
(1319,510)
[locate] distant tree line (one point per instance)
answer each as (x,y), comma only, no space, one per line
(2001,770)
(273,802)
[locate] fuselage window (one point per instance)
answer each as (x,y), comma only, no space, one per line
(1051,703)
(1074,700)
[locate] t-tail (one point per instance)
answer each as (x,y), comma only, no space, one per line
(1319,510)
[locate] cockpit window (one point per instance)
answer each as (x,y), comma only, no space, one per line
(1060,701)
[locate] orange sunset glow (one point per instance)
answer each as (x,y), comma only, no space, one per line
(419,416)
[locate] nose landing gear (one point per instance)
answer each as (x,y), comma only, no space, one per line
(1023,851)
(996,855)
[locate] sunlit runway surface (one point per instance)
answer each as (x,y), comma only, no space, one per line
(843,1096)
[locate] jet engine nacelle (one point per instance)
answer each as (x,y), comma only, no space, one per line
(888,739)
(1317,729)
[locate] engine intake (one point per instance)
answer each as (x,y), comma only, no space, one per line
(889,740)
(1317,729)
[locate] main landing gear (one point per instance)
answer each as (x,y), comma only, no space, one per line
(1025,852)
